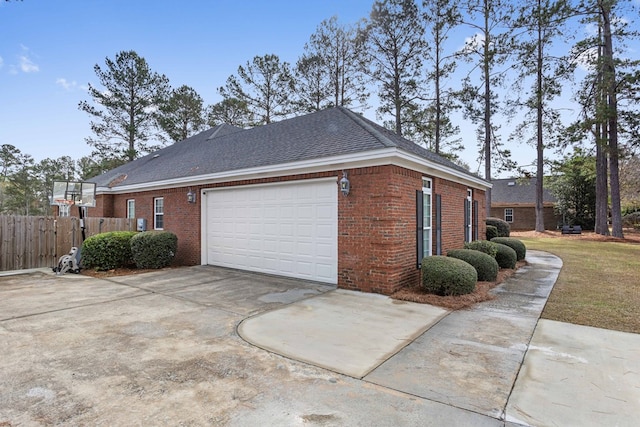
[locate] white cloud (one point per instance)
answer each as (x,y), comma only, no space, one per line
(587,59)
(473,43)
(27,65)
(70,85)
(66,84)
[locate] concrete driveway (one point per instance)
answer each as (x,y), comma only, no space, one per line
(163,348)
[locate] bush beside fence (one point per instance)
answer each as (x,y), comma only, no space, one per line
(38,241)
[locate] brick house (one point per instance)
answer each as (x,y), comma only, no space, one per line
(270,199)
(514,200)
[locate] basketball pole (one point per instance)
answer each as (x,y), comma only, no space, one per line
(81,214)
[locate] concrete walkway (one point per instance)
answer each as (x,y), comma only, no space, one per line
(346,332)
(468,359)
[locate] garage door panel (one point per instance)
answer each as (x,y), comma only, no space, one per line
(288,229)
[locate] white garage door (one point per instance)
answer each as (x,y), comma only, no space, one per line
(288,229)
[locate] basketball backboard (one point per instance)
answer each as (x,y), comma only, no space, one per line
(74,193)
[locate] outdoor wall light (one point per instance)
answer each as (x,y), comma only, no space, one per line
(345,185)
(191,196)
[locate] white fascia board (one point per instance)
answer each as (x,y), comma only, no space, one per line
(412,161)
(363,159)
(385,156)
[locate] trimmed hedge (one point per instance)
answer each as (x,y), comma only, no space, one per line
(631,220)
(504,229)
(154,249)
(448,276)
(484,246)
(515,244)
(106,251)
(506,256)
(492,231)
(486,266)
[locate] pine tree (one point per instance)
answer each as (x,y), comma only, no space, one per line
(394,46)
(123,120)
(182,114)
(265,85)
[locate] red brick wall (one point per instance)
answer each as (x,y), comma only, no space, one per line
(524,217)
(180,217)
(453,196)
(377,230)
(376,222)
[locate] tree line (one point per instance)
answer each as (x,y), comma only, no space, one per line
(516,65)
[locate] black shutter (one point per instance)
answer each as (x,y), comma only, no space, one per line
(466,220)
(419,226)
(438,224)
(475,220)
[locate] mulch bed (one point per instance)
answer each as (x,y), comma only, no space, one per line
(630,236)
(117,272)
(481,293)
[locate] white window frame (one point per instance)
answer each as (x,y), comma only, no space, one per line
(427,217)
(158,213)
(64,210)
(508,214)
(131,208)
(469,226)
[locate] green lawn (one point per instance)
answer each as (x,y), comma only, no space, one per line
(599,284)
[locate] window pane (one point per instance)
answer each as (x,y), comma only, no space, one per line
(427,211)
(131,209)
(426,244)
(159,213)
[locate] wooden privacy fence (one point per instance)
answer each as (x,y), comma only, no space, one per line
(38,241)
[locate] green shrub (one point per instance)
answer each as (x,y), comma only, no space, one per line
(486,266)
(492,231)
(154,249)
(631,220)
(107,251)
(485,246)
(515,244)
(506,256)
(447,276)
(503,226)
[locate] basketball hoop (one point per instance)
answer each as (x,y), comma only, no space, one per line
(64,206)
(63,202)
(77,193)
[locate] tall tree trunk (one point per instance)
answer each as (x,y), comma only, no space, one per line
(540,134)
(398,100)
(612,119)
(601,135)
(437,93)
(487,106)
(602,193)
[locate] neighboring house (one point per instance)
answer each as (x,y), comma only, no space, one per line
(269,199)
(514,200)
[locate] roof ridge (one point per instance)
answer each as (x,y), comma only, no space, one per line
(218,128)
(215,131)
(364,123)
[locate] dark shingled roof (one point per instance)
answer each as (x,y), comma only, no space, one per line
(521,191)
(331,132)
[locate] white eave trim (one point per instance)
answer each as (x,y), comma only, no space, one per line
(384,156)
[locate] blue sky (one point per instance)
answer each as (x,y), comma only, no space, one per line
(48,50)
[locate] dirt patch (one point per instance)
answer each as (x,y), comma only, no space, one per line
(119,272)
(480,294)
